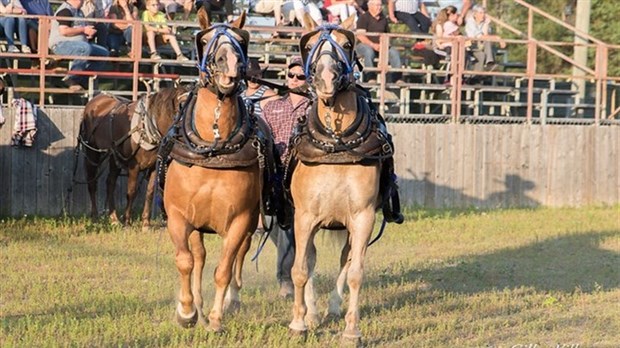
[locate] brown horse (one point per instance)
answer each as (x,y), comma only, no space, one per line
(126,134)
(213,184)
(338,154)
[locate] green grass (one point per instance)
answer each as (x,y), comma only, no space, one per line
(443,279)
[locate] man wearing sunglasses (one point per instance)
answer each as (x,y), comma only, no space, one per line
(282,114)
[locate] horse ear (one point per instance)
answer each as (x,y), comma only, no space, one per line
(203,18)
(239,22)
(309,23)
(348,23)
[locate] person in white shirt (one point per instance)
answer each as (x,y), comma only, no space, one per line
(477,27)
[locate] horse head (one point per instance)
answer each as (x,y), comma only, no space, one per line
(328,52)
(222,51)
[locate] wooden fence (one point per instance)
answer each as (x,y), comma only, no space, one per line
(439,165)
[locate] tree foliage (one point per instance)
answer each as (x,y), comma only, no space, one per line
(604,25)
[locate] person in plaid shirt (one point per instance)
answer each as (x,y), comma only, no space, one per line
(282,114)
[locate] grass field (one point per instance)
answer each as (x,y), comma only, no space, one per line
(507,278)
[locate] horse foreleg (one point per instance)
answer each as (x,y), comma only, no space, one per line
(132,189)
(336,296)
(311,318)
(179,230)
(300,272)
(360,231)
(148,201)
(223,273)
(232,303)
(196,241)
(110,188)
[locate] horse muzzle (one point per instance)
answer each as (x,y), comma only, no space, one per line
(326,82)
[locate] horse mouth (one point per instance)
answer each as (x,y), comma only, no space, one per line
(226,83)
(325,95)
(325,91)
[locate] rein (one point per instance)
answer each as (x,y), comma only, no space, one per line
(281,89)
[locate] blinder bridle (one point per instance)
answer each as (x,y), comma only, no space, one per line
(338,53)
(206,56)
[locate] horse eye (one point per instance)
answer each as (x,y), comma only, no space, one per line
(308,47)
(347,46)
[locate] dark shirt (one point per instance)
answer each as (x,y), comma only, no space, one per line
(65,13)
(373,25)
(37,7)
(120,14)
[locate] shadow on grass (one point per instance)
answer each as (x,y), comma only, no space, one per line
(561,264)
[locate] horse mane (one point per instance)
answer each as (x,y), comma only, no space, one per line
(160,105)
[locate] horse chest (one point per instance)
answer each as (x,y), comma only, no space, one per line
(335,188)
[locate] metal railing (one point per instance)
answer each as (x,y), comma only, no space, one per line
(457,92)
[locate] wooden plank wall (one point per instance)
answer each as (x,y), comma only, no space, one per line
(489,166)
(39,180)
(439,165)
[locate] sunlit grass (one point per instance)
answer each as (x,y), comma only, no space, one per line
(443,279)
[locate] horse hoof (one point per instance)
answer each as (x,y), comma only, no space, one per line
(216,328)
(312,320)
(331,318)
(354,340)
(303,334)
(297,328)
(286,289)
(146,228)
(203,322)
(186,321)
(232,307)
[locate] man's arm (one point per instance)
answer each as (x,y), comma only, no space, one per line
(391,11)
(424,10)
(366,41)
(464,9)
(87,30)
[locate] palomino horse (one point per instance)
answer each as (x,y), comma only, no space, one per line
(127,134)
(339,154)
(213,183)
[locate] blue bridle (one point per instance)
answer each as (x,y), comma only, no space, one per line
(346,61)
(221,29)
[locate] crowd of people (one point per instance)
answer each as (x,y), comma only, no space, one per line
(79,37)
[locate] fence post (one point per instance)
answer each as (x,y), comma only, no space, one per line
(136,51)
(43,49)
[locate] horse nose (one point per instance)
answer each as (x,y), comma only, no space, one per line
(233,64)
(326,73)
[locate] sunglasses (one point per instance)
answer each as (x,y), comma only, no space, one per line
(299,77)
